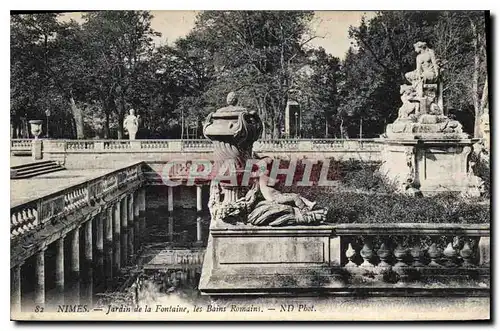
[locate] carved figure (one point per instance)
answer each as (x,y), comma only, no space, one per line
(427,68)
(409,107)
(131,124)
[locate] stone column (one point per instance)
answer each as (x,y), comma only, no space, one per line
(199,204)
(142,210)
(130,253)
(108,226)
(130,208)
(99,251)
(88,272)
(130,212)
(199,236)
(170,199)
(88,242)
(74,297)
(59,274)
(116,237)
(40,278)
(108,247)
(170,230)
(15,289)
(137,203)
(124,211)
(137,233)
(142,199)
(124,231)
(199,209)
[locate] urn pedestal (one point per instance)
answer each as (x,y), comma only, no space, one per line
(36,144)
(249,260)
(430,165)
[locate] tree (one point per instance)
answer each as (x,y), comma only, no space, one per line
(317,93)
(257,54)
(119,45)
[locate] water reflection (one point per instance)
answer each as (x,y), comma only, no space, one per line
(167,263)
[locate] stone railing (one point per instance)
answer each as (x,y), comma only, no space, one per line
(412,252)
(20,146)
(33,215)
(82,151)
(177,145)
(404,259)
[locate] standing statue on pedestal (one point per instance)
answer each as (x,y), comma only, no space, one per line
(422,114)
(131,124)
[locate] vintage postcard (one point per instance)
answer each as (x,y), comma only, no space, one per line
(249,165)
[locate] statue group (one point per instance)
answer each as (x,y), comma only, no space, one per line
(422,113)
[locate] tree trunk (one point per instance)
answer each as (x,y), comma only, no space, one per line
(106,125)
(475,82)
(121,117)
(78,117)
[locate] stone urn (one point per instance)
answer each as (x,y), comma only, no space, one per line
(36,127)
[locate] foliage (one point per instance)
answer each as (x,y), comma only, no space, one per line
(108,62)
(359,175)
(372,207)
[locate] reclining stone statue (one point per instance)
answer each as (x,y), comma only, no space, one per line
(265,205)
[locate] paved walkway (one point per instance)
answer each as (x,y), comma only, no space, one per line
(24,190)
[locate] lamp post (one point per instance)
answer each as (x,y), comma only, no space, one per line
(296,124)
(47,113)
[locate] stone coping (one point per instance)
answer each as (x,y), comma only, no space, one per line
(425,141)
(482,230)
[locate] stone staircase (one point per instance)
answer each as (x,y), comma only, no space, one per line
(34,169)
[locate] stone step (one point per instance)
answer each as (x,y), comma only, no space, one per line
(32,165)
(34,169)
(23,171)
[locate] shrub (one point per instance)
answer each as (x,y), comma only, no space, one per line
(362,207)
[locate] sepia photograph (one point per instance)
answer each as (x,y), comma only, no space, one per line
(250,165)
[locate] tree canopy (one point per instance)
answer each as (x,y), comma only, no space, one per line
(89,73)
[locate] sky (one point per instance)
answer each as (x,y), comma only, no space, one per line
(331,27)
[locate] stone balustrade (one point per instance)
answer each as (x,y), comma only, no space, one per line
(73,152)
(21,144)
(177,145)
(363,258)
(33,215)
(406,252)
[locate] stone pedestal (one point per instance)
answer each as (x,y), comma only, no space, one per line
(429,165)
(36,149)
(248,260)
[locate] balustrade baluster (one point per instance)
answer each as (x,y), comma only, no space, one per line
(451,254)
(31,219)
(351,255)
(384,255)
(367,254)
(400,253)
(417,255)
(14,230)
(26,221)
(434,254)
(466,254)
